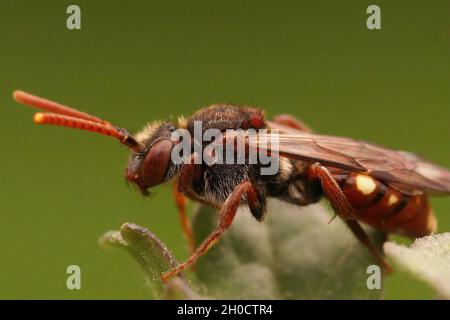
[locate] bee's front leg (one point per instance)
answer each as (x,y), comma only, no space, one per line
(180,201)
(226,216)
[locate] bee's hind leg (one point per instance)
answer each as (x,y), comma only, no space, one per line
(226,216)
(362,236)
(291,122)
(343,208)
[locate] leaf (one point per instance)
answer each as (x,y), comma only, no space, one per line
(294,254)
(152,255)
(428,259)
(178,289)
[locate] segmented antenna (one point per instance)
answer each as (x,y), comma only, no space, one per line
(53,107)
(61,115)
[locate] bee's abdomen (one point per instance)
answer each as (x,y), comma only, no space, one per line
(386,208)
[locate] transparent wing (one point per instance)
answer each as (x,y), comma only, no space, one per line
(403,170)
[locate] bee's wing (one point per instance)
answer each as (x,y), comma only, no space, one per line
(403,170)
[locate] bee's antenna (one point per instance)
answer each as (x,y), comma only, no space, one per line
(61,115)
(53,107)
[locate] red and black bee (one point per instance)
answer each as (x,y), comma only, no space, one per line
(383,188)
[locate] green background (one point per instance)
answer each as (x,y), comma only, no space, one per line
(136,61)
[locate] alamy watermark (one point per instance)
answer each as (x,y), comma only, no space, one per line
(374,280)
(239,146)
(374,20)
(73,21)
(73,281)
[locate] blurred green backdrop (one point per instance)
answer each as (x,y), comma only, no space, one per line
(136,61)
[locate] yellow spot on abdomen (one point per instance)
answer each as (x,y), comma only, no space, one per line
(365,184)
(393,199)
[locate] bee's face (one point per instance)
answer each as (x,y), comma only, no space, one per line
(152,166)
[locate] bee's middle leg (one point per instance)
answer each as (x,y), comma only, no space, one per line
(226,216)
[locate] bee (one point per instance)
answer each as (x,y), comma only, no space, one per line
(383,188)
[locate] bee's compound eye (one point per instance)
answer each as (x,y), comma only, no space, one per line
(156,163)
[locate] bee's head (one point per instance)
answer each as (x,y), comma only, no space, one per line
(153,165)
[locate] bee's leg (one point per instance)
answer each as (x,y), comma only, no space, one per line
(180,201)
(343,208)
(291,122)
(331,190)
(226,216)
(362,236)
